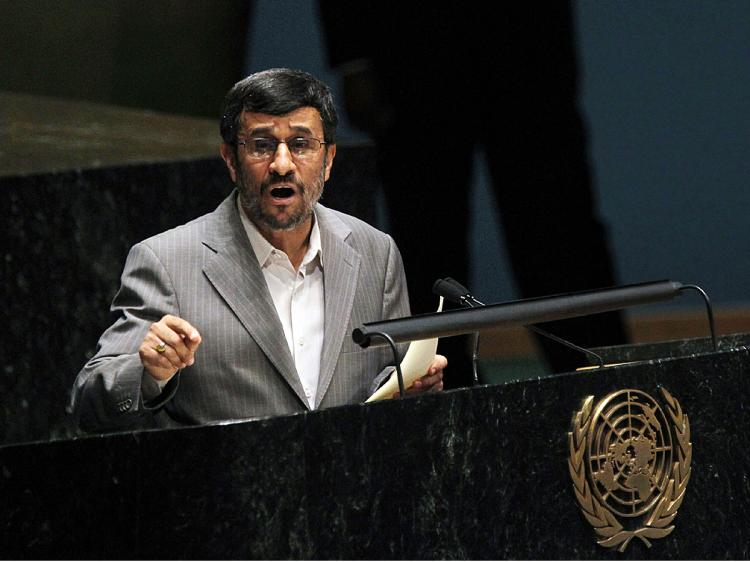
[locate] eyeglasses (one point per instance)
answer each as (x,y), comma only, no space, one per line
(264,148)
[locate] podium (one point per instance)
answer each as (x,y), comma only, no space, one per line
(477,473)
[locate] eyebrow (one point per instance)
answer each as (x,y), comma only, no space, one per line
(268,130)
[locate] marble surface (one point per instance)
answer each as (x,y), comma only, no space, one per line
(65,237)
(40,134)
(475,473)
(672,348)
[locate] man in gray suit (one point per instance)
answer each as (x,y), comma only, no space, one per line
(246,312)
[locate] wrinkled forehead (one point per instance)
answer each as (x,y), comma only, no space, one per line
(303,121)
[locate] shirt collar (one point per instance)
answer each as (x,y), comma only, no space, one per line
(263,248)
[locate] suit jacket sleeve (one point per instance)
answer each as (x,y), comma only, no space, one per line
(395,294)
(107,392)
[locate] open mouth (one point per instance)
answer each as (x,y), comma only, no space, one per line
(282,192)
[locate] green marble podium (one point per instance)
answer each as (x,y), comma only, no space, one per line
(476,473)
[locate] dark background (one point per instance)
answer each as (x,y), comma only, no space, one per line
(664,92)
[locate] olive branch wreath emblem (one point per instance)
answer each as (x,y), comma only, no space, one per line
(658,524)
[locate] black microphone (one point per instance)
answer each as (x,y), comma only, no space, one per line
(462,294)
(459,294)
(452,290)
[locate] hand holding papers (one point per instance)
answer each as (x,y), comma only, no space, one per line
(414,365)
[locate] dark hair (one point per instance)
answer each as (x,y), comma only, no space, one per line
(278,91)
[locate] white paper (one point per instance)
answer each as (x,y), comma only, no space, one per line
(414,365)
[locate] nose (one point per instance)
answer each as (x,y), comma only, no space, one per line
(282,162)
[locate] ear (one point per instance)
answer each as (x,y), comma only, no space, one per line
(230,159)
(330,154)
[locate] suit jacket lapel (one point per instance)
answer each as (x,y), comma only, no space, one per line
(236,275)
(341,270)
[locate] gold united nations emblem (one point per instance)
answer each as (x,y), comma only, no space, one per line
(630,465)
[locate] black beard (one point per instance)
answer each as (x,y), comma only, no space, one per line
(250,201)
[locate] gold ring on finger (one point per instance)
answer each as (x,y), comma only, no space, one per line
(161,348)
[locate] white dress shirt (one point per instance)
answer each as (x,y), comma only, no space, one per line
(299,300)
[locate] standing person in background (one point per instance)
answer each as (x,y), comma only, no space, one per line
(431,85)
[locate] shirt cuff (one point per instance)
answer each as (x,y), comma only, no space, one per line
(151,387)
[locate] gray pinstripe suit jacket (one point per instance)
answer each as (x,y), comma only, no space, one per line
(206,272)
